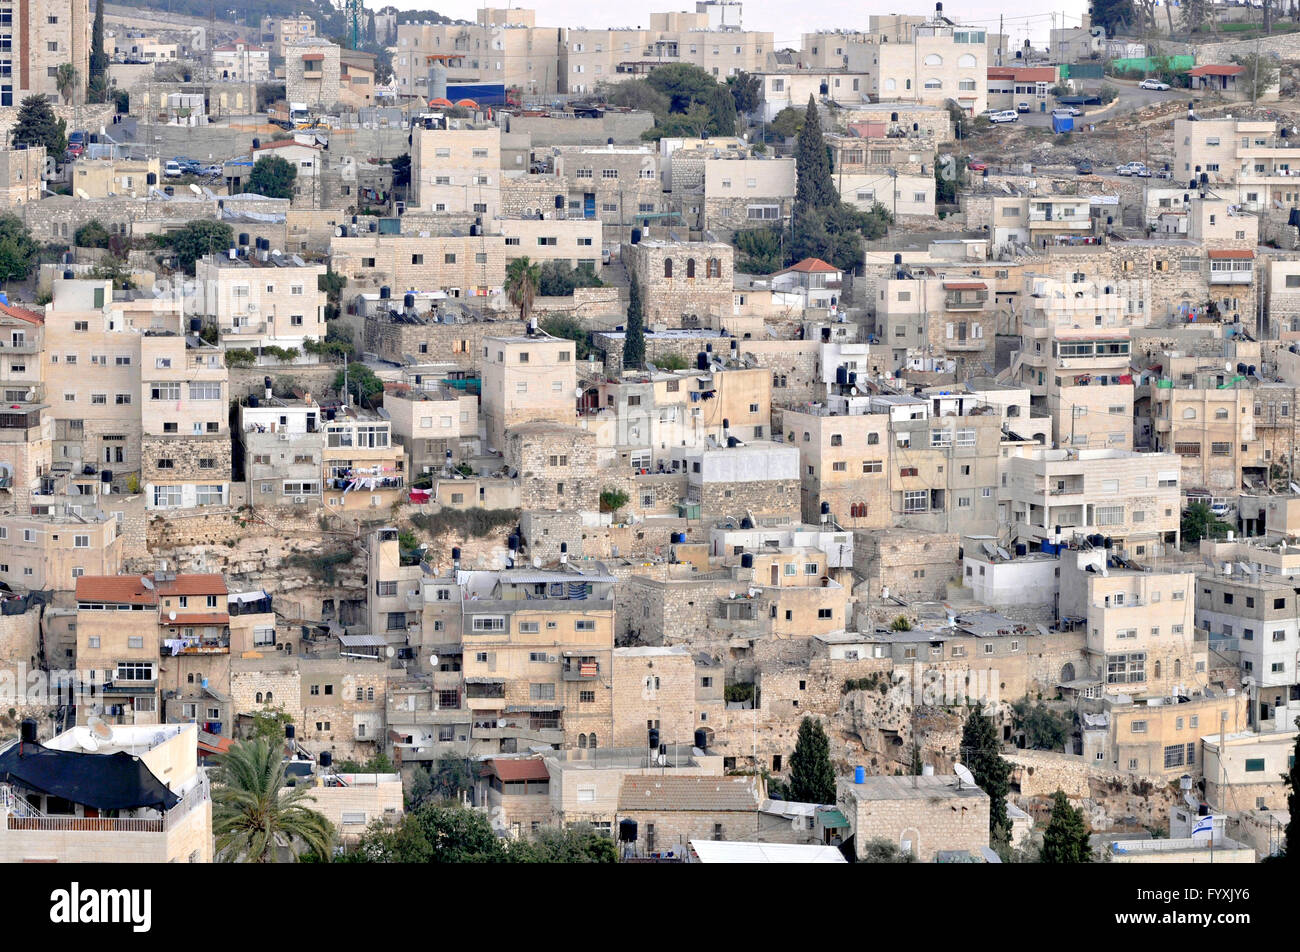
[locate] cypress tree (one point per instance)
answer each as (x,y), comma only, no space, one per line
(1066,837)
(812,779)
(97,81)
(813,186)
(634,343)
(979,753)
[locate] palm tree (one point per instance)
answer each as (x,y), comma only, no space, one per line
(252,813)
(522,279)
(66,80)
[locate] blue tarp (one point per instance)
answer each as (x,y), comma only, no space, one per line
(1062,123)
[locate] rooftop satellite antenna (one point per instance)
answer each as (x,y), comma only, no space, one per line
(146,582)
(100,728)
(171,616)
(433,660)
(964,776)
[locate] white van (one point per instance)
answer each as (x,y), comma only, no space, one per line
(172,169)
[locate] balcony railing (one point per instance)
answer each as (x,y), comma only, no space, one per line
(957,302)
(581,671)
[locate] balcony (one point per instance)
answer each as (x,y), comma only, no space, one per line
(970,343)
(1231,275)
(965,302)
(579,670)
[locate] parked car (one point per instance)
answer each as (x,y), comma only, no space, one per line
(1153,84)
(173,169)
(976,166)
(1165,174)
(1142,172)
(1023,107)
(1004,115)
(213,171)
(1085,167)
(1133,168)
(1071,110)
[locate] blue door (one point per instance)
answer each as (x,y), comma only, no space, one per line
(589,205)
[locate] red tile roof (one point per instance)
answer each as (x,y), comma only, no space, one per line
(965,286)
(1216,71)
(1225,253)
(812,265)
(31,317)
(206,584)
(313,56)
(115,588)
(514,770)
(284,144)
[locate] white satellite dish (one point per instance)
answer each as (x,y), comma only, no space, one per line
(195,189)
(501,724)
(146,582)
(390,651)
(89,743)
(964,776)
(100,729)
(171,616)
(433,660)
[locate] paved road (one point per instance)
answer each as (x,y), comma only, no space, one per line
(1131,99)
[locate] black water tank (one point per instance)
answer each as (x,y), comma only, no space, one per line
(841,376)
(288,731)
(1250,370)
(408,300)
(151,179)
(106,476)
(627,831)
(564,548)
(654,737)
(266,382)
(257,143)
(473,231)
(732,441)
(326,759)
(636,236)
(746,523)
(701,361)
(1241,368)
(455,553)
(898,259)
(1108,542)
(385,293)
(702,739)
(196,324)
(826,509)
(559,201)
(243,239)
(29,730)
(68,275)
(747,560)
(726,424)
(514,542)
(252,401)
(1022,549)
(354,219)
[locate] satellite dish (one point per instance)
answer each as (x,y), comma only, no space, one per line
(433,660)
(195,189)
(537,561)
(171,616)
(146,582)
(964,776)
(390,651)
(89,743)
(81,194)
(501,724)
(99,728)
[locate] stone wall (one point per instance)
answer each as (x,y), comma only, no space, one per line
(193,459)
(556,464)
(460,343)
(735,500)
(624,128)
(910,563)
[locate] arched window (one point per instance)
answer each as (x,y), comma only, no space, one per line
(934,84)
(1221,413)
(967,61)
(370,694)
(259,697)
(690,267)
(668,267)
(1178,667)
(1189,414)
(1157,670)
(934,59)
(592,742)
(713,269)
(873,439)
(268,697)
(582,741)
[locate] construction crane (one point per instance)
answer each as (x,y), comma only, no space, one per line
(354,14)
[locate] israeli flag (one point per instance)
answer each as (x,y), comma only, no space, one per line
(1204,825)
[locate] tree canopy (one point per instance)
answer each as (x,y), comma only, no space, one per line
(253,811)
(1066,837)
(746,91)
(37,125)
(980,754)
(1199,522)
(570,328)
(92,234)
(198,238)
(361,382)
(272,176)
(18,249)
(559,278)
(634,342)
(812,778)
(1044,728)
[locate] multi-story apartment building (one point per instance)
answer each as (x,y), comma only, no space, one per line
(100,178)
(938,61)
(255,304)
(241,62)
(1249,159)
(872,168)
(50,552)
(54,801)
(592,56)
(1074,358)
(1052,495)
(843,463)
(502,46)
(738,191)
(22,175)
(27,424)
(1161,734)
(436,427)
(128,624)
(185,444)
(457,171)
(788,87)
(1141,632)
(1243,609)
(618,185)
(312,72)
(685,284)
(362,466)
(940,317)
(282,32)
(37,39)
(526,379)
(284,448)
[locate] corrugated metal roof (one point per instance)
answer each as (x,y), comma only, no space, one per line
(709,794)
(362,641)
(723,851)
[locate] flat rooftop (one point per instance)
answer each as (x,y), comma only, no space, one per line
(909,788)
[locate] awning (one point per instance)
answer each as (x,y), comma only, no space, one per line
(312,57)
(362,641)
(832,819)
(1230,253)
(965,286)
(243,598)
(532,708)
(119,781)
(213,744)
(485,680)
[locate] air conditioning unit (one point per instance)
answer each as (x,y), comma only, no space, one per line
(552,659)
(300,499)
(284,436)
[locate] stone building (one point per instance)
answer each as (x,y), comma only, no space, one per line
(456,171)
(255,303)
(918,815)
(283,443)
(22,175)
(42,37)
(843,463)
(311,72)
(758,479)
(683,284)
(456,336)
(434,426)
(556,464)
(667,688)
(526,379)
(670,811)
